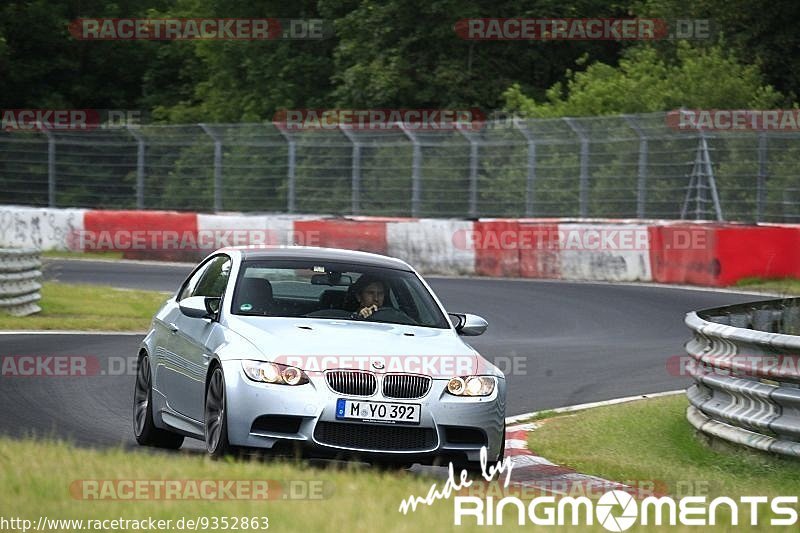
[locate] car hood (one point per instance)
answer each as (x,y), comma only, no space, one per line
(293,340)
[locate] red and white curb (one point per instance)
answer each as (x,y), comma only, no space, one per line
(536,472)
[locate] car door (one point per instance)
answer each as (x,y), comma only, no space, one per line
(189,344)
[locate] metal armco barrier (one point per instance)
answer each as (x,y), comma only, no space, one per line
(19,281)
(745,361)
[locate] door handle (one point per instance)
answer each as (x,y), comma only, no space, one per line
(172,327)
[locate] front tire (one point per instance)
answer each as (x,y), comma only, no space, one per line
(216,416)
(145,430)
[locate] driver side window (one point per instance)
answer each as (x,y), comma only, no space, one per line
(210,280)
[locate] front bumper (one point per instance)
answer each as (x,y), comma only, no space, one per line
(310,410)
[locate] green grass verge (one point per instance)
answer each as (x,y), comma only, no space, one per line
(786,286)
(89,308)
(651,440)
(36,479)
(65,254)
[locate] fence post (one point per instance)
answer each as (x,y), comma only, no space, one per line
(712,181)
(51,168)
(583,192)
(473,172)
(416,165)
(641,182)
(139,166)
(291,147)
(530,180)
(761,179)
(217,166)
(355,181)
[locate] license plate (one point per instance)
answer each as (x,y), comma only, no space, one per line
(407,413)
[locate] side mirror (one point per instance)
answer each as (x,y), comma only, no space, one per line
(468,325)
(199,306)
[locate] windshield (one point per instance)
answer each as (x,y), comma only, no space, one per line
(327,290)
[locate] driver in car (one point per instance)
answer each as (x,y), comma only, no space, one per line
(370,293)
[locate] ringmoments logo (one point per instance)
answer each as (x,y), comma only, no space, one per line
(619,511)
(616,499)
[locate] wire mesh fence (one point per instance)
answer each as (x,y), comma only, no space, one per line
(622,167)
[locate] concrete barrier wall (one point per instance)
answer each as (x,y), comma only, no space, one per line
(431,245)
(41,228)
(610,252)
(708,254)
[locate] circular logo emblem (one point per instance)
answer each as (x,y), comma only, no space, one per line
(613,501)
(377,365)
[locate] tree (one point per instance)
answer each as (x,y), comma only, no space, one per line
(644,81)
(759,32)
(407,54)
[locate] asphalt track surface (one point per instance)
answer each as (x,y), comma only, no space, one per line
(560,343)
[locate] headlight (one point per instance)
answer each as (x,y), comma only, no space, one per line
(274,373)
(471,385)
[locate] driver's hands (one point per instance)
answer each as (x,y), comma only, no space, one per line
(367,311)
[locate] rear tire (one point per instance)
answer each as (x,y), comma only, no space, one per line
(216,416)
(145,430)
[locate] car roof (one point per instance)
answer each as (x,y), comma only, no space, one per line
(255,253)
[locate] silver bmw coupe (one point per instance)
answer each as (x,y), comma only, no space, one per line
(331,352)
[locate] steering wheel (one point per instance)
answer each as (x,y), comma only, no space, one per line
(328,313)
(390,314)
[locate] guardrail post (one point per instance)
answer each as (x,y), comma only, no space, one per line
(583,192)
(291,156)
(712,182)
(416,169)
(140,151)
(641,178)
(530,179)
(51,168)
(761,179)
(355,180)
(217,166)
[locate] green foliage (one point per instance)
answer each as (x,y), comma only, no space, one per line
(708,78)
(407,54)
(394,54)
(759,32)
